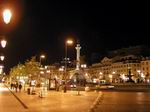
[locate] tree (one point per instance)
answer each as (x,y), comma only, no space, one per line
(17,71)
(30,69)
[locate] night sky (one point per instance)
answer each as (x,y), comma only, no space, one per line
(42,26)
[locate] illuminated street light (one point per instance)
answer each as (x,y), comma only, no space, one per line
(1,69)
(68,42)
(100,73)
(2,57)
(83,65)
(41,72)
(41,57)
(61,69)
(139,71)
(3,43)
(113,72)
(48,71)
(7,16)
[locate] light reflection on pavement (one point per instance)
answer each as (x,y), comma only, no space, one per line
(53,102)
(8,103)
(125,102)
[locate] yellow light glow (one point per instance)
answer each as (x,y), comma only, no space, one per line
(42,56)
(113,72)
(61,69)
(69,42)
(142,75)
(110,76)
(3,43)
(100,73)
(41,72)
(3,89)
(138,71)
(2,58)
(48,71)
(7,15)
(86,74)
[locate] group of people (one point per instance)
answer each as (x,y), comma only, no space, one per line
(16,86)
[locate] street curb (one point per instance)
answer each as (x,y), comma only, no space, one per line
(96,102)
(24,105)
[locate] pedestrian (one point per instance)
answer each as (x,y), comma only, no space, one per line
(16,86)
(65,88)
(20,87)
(57,87)
(11,86)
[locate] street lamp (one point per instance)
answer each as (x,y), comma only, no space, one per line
(1,69)
(68,42)
(49,77)
(3,43)
(41,57)
(2,58)
(7,16)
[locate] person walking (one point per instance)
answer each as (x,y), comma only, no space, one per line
(11,86)
(65,88)
(16,86)
(20,87)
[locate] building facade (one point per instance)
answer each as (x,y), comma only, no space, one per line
(117,70)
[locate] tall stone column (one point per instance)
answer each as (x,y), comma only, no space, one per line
(78,47)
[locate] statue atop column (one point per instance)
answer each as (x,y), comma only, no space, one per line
(78,77)
(78,47)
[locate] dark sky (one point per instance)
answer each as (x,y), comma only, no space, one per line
(41,26)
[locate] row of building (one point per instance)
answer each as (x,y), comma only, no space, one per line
(115,71)
(116,68)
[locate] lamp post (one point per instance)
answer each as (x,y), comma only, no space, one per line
(48,72)
(41,57)
(68,42)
